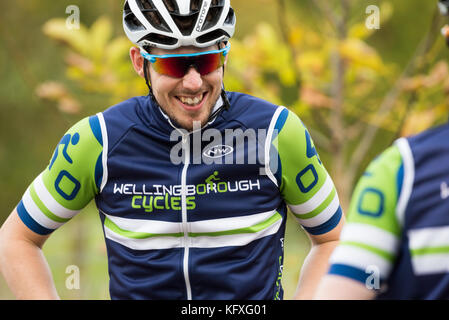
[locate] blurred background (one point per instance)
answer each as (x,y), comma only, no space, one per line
(357,82)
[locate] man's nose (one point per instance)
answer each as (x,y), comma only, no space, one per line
(192,80)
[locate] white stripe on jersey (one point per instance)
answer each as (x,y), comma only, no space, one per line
(371,236)
(323,216)
(361,259)
(37,215)
(316,200)
(409,177)
(48,200)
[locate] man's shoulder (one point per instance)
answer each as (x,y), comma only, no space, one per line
(126,108)
(120,118)
(432,141)
(250,101)
(249,109)
(432,135)
(127,113)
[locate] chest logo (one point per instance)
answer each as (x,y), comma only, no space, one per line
(218,151)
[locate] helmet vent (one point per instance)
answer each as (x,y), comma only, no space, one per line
(130,19)
(158,38)
(230,19)
(214,14)
(186,23)
(195,5)
(171,6)
(153,16)
(210,36)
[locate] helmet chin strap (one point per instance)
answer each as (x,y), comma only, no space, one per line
(147,81)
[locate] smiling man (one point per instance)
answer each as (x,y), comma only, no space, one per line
(187,229)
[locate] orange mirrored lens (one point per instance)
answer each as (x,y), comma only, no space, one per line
(178,66)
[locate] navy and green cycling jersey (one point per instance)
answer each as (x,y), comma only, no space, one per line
(184,215)
(396,237)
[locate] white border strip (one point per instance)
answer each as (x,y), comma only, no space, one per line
(37,215)
(48,200)
(431,263)
(235,239)
(409,178)
(205,226)
(268,144)
(323,216)
(360,259)
(167,242)
(208,226)
(316,199)
(145,226)
(225,224)
(104,134)
(155,243)
(370,235)
(428,237)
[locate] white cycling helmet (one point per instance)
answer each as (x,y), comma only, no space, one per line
(170,24)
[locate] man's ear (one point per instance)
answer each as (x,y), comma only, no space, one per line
(137,61)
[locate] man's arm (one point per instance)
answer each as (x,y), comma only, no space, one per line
(316,263)
(63,189)
(22,262)
(310,194)
(371,237)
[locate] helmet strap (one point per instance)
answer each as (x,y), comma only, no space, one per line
(147,77)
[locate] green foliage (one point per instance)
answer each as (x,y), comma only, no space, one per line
(97,62)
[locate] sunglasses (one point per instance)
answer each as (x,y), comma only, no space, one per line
(177,65)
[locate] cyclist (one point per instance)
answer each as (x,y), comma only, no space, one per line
(183,218)
(394,245)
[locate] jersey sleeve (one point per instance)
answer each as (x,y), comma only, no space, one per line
(70,181)
(370,237)
(305,185)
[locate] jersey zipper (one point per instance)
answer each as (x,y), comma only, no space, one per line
(185,225)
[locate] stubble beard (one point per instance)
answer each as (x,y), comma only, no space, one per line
(189,123)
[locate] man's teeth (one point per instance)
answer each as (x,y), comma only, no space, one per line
(191,101)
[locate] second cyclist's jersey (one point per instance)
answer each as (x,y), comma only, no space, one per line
(188,215)
(396,238)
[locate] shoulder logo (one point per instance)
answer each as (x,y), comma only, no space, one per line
(444,190)
(218,151)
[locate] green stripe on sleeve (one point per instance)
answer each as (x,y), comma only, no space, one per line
(320,208)
(44,209)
